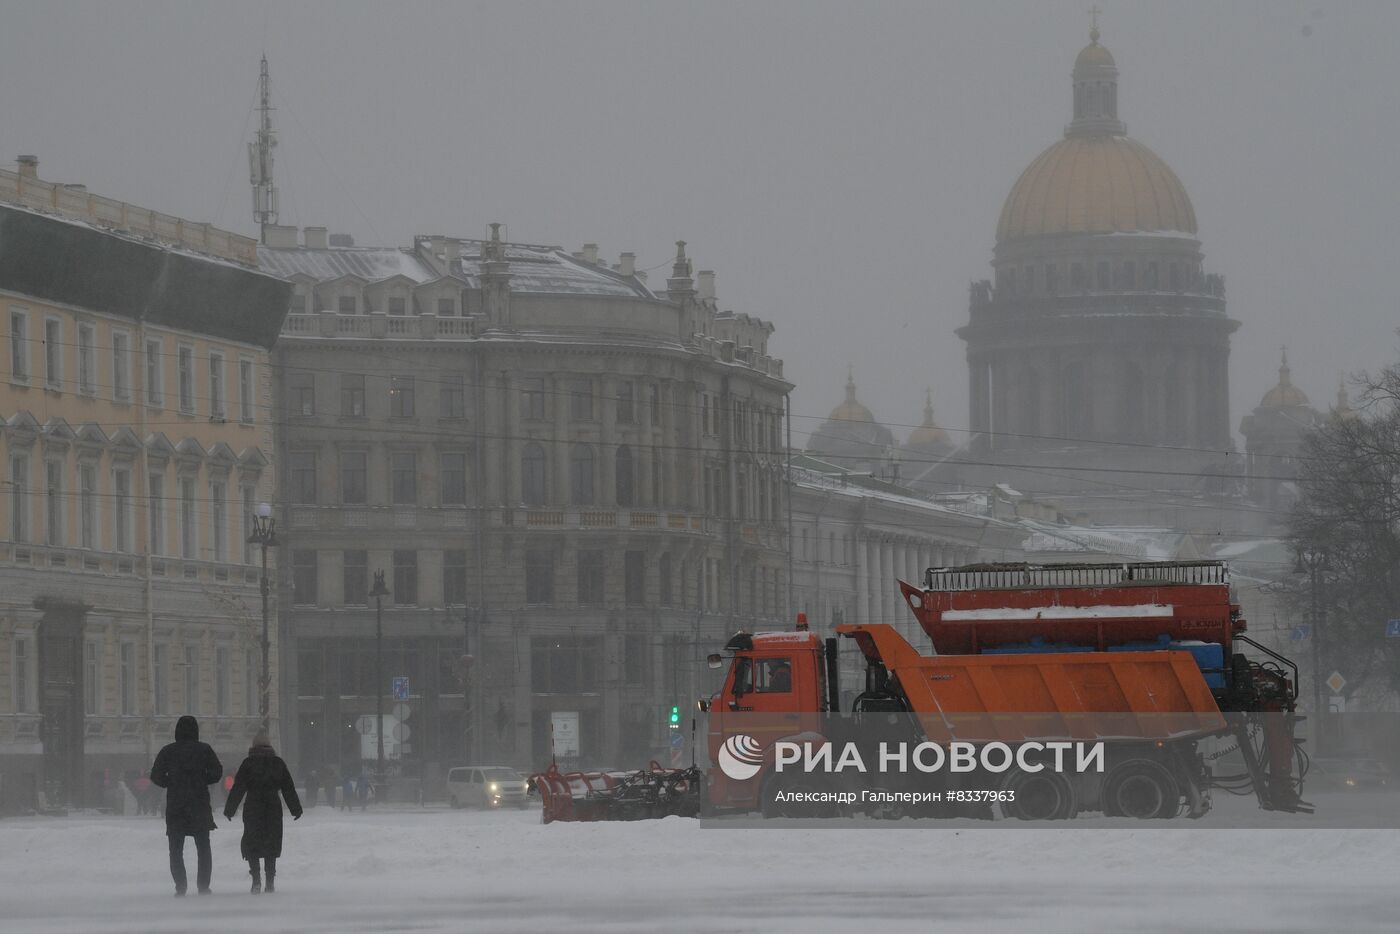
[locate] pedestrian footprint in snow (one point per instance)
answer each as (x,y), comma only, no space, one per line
(261,778)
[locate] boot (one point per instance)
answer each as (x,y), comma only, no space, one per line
(256,874)
(271,874)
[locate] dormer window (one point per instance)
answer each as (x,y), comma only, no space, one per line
(347,305)
(397,305)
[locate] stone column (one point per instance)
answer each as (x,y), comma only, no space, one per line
(862,569)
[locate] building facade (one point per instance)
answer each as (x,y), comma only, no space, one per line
(572,484)
(135,440)
(1101,340)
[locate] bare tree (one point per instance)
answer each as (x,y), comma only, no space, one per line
(1349,510)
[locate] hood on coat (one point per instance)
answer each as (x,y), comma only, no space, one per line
(262,746)
(186,727)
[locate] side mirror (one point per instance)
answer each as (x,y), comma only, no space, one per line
(702,705)
(714,660)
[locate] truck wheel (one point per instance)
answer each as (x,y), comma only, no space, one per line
(1038,796)
(454,802)
(1142,789)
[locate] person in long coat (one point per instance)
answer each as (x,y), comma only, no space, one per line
(260,779)
(185,769)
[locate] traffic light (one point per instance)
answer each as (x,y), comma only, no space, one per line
(675,715)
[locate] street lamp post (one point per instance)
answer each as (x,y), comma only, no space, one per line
(264,534)
(1311,561)
(379,593)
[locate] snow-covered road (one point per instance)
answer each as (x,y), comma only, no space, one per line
(440,870)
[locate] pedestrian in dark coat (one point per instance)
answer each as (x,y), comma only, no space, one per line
(261,778)
(185,769)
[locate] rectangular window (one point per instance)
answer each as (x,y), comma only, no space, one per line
(247,495)
(87,359)
(636,578)
(301,469)
(53,353)
(154,396)
(246,405)
(352,395)
(447,308)
(401,396)
(53,501)
(346,305)
(405,578)
(452,396)
(222,666)
(91,668)
(161,681)
(355,579)
(566,664)
(397,305)
(304,577)
(532,398)
(184,365)
(19,498)
(87,505)
(301,393)
(581,400)
(189,534)
(23,676)
(156,511)
(19,346)
(121,513)
(453,479)
(1103,274)
(126,678)
(591,578)
(191,679)
(121,366)
(626,411)
(354,478)
(539,576)
(297,305)
(218,519)
(403,478)
(454,578)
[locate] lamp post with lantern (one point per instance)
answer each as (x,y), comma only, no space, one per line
(264,535)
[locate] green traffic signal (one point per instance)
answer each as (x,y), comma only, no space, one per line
(675,714)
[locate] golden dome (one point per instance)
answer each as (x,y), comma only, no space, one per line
(928,434)
(850,410)
(1094,55)
(1285,394)
(1096,184)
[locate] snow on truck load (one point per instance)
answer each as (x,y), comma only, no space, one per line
(1145,655)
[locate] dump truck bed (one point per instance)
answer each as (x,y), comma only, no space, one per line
(1143,695)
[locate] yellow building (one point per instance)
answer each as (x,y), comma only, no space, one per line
(135,441)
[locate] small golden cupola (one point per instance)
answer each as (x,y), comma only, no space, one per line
(1285,395)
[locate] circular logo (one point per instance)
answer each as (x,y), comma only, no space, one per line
(740,757)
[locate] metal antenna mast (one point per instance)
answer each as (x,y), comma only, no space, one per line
(260,159)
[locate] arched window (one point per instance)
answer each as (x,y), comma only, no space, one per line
(533,471)
(622,475)
(581,475)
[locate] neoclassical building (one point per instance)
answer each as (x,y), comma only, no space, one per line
(135,441)
(572,483)
(1274,436)
(1101,341)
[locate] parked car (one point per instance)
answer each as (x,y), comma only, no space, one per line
(1349,774)
(486,786)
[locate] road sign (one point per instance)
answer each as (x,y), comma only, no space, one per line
(1336,682)
(402,711)
(401,688)
(1336,704)
(677,739)
(400,732)
(1392,629)
(1302,633)
(565,729)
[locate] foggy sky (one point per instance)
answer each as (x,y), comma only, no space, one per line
(840,166)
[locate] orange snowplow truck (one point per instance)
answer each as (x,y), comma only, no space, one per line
(1143,658)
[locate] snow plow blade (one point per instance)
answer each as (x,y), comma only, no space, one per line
(648,793)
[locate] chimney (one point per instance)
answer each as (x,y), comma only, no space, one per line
(342,240)
(590,254)
(452,250)
(705,284)
(628,265)
(28,166)
(315,238)
(280,236)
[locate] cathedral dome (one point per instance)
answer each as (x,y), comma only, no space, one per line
(929,434)
(851,409)
(1285,394)
(1096,185)
(1096,180)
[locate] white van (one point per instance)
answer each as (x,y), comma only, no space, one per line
(486,786)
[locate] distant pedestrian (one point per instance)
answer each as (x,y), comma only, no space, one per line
(142,790)
(261,778)
(185,769)
(363,789)
(347,794)
(329,781)
(313,788)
